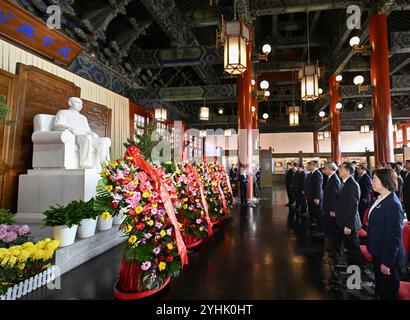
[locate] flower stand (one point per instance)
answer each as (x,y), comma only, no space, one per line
(130,282)
(191,240)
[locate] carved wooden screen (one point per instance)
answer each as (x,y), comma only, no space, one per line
(8,83)
(99,118)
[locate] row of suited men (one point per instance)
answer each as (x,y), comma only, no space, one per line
(337,197)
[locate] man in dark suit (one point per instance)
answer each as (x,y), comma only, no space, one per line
(406,188)
(298,185)
(356,172)
(330,196)
(314,198)
(325,177)
(288,182)
(401,171)
(243,178)
(365,184)
(347,213)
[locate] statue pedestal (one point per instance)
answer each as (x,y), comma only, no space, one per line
(41,188)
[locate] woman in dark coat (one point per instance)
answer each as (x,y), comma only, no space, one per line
(384,233)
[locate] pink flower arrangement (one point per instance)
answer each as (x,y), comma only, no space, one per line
(13,234)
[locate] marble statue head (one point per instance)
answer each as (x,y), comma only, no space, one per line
(75,103)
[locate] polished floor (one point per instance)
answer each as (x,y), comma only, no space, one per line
(260,253)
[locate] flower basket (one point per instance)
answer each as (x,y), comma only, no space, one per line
(130,285)
(155,249)
(25,287)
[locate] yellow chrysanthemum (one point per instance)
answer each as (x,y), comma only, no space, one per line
(177,171)
(202,212)
(39,254)
(170,246)
(128,228)
(108,188)
(201,229)
(180,226)
(196,200)
(162,233)
(162,265)
(139,209)
(132,239)
(113,164)
(150,223)
(185,206)
(106,215)
(185,199)
(145,195)
(154,205)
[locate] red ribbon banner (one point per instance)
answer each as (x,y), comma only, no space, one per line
(228,182)
(204,203)
(166,199)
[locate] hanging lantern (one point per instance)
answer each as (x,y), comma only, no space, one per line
(228,133)
(204,113)
(309,78)
(235,53)
(320,136)
(160,114)
(326,134)
(364,128)
(293,112)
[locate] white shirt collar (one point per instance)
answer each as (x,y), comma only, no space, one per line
(331,175)
(344,181)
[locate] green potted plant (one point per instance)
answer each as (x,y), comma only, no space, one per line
(89,216)
(6,217)
(65,221)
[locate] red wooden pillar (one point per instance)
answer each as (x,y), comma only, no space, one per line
(244,95)
(335,120)
(380,79)
(315,143)
(404,133)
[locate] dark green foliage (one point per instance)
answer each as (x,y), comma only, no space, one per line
(145,142)
(4,111)
(6,217)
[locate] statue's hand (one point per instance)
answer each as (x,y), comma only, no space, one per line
(93,134)
(73,131)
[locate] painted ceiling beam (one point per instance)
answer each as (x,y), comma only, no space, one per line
(272,7)
(170,20)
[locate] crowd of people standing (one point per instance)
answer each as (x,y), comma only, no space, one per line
(335,201)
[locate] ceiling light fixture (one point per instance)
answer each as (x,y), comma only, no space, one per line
(309,74)
(235,36)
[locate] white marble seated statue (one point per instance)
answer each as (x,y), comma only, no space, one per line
(71,119)
(65,140)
